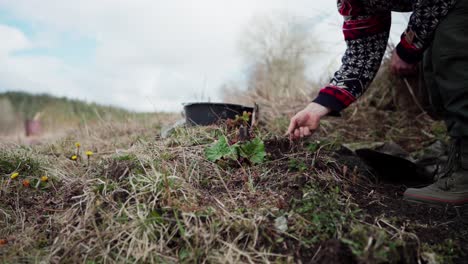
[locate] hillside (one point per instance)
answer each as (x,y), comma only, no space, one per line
(54,113)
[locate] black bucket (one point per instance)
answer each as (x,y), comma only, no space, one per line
(204,114)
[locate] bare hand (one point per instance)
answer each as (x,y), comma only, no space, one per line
(307,121)
(400,67)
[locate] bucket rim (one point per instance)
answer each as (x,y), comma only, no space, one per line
(216,104)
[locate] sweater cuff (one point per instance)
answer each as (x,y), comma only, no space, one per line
(335,99)
(408,53)
(329,102)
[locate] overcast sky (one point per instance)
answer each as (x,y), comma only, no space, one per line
(144,55)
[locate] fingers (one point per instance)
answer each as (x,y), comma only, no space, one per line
(403,71)
(411,70)
(305,132)
(301,132)
(297,134)
(400,67)
(292,126)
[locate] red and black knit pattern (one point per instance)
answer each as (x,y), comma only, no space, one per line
(417,37)
(366,30)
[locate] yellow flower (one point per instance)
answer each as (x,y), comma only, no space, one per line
(89,153)
(77,144)
(14,175)
(74,157)
(44,179)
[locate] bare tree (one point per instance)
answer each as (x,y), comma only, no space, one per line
(276,48)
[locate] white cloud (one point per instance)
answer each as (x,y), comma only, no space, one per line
(150,54)
(18,72)
(12,40)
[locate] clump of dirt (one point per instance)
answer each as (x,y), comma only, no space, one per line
(278,147)
(334,251)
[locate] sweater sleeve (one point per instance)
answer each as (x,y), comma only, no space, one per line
(366,38)
(423,22)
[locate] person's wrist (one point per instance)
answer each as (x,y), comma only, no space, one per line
(318,109)
(408,55)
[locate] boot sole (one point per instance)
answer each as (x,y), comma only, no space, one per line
(435,201)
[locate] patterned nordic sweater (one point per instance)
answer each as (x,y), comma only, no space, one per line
(366,31)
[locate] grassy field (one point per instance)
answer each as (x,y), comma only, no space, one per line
(54,113)
(140,198)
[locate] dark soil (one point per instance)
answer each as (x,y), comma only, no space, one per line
(380,199)
(432,224)
(333,251)
(277,147)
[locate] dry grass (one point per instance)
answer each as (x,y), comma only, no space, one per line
(143,199)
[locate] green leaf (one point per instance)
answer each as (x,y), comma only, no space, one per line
(179,224)
(184,254)
(221,149)
(245,117)
(313,146)
(155,217)
(253,150)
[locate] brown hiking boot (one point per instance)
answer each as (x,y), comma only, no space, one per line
(451,187)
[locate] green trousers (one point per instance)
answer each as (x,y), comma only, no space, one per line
(446,70)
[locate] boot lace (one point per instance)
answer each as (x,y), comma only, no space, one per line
(453,159)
